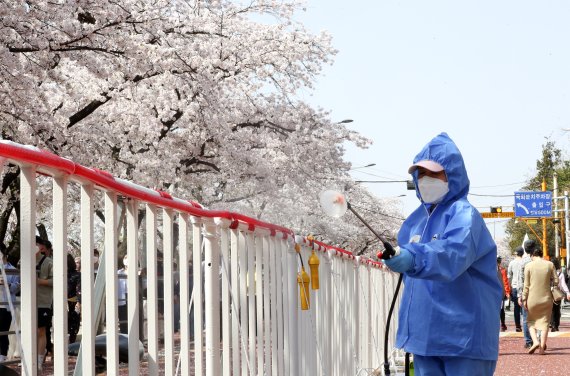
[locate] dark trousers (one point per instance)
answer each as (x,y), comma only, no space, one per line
(49,343)
(555,320)
(123,317)
(5,321)
(517,308)
(502,315)
(73,321)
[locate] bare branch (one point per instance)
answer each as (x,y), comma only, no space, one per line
(87,110)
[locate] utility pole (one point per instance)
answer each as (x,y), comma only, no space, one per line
(567,226)
(544,243)
(556,223)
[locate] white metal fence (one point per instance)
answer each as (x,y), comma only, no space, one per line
(241,282)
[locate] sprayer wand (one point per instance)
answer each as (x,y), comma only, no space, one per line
(389,251)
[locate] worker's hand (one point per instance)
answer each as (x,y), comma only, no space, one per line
(402,262)
(389,251)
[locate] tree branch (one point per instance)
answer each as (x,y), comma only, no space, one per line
(264,124)
(169,123)
(86,111)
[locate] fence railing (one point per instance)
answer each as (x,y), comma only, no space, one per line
(236,292)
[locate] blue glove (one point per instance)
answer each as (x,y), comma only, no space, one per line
(401,263)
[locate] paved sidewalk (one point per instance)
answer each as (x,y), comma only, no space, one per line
(515,361)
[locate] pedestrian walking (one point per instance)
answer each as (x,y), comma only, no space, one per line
(44,295)
(529,246)
(539,277)
(555,320)
(513,273)
(122,295)
(502,274)
(73,298)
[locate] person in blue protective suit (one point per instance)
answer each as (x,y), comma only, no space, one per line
(448,314)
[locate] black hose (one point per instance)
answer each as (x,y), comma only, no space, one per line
(387,333)
(407,366)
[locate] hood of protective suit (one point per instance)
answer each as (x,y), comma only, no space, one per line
(442,149)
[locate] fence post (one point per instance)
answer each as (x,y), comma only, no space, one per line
(86,357)
(235,306)
(325,312)
(285,304)
(133,306)
(368,344)
(151,290)
(300,325)
(294,307)
(184,293)
(212,298)
(243,303)
(60,329)
(111,293)
(259,298)
(28,309)
(168,284)
(224,224)
(356,313)
(251,302)
(197,287)
(276,311)
(267,271)
(346,322)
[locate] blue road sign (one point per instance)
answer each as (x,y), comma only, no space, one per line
(533,204)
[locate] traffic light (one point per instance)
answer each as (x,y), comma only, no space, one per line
(496,209)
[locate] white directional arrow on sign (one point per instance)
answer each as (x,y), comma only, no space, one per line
(523,207)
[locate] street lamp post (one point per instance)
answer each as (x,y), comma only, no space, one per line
(566,227)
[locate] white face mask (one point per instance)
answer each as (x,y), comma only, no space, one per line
(432,190)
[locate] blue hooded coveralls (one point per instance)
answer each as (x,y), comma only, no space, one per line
(449,315)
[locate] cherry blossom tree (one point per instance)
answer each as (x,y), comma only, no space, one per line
(198,97)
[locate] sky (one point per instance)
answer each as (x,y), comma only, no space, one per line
(494,75)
